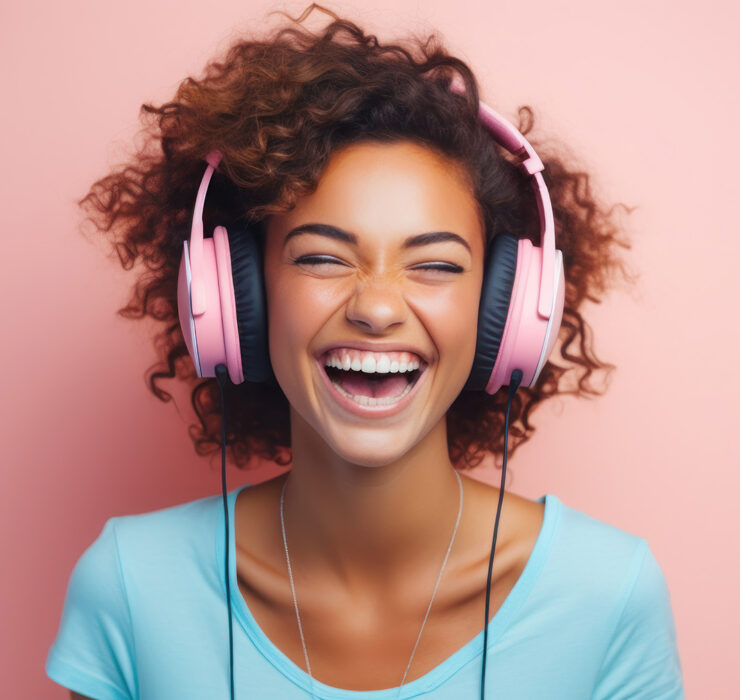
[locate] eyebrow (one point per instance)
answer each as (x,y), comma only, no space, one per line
(341,235)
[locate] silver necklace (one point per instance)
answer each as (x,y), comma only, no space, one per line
(295,602)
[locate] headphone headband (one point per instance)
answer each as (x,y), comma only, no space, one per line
(510,138)
(503,132)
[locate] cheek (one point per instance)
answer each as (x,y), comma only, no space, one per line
(451,319)
(295,314)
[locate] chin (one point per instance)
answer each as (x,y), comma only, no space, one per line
(367,450)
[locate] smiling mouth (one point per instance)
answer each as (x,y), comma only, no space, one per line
(373,387)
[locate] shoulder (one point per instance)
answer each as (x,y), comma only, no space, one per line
(592,562)
(611,578)
(605,585)
(166,547)
(171,524)
(606,555)
(93,649)
(617,585)
(140,567)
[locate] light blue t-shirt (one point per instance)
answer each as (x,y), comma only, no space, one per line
(145,618)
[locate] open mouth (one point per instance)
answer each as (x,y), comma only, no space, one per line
(373,389)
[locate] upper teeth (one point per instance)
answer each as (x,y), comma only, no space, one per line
(371,362)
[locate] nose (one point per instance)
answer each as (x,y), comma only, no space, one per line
(376,305)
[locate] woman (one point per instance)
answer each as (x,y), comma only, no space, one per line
(356,188)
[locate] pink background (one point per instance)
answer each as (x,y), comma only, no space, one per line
(644,93)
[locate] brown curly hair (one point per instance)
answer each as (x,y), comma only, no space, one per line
(277,107)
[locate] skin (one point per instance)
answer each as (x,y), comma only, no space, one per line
(370,504)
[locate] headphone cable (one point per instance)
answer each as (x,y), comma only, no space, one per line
(514,382)
(221,375)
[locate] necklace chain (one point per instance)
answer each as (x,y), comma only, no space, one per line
(439,578)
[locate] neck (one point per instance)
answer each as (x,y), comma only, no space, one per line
(368,526)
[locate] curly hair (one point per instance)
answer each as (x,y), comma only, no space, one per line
(277,107)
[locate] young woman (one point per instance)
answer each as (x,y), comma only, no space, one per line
(364,223)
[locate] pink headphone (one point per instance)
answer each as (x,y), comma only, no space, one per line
(220,290)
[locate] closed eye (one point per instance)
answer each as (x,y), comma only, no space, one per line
(324,259)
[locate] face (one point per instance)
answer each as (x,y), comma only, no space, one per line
(367,285)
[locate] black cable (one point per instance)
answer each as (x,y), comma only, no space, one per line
(514,381)
(221,377)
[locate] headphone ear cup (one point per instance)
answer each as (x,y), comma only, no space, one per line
(499,273)
(210,336)
(512,334)
(251,309)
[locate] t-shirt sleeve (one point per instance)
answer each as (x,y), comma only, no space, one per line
(93,653)
(642,660)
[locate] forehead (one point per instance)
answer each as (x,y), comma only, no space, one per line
(390,189)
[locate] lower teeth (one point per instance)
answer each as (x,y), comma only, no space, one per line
(372,401)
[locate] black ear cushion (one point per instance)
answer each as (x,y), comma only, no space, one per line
(498,281)
(251,309)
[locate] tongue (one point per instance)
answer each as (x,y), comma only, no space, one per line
(355,383)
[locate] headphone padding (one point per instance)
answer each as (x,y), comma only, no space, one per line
(495,300)
(249,299)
